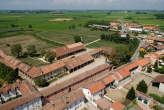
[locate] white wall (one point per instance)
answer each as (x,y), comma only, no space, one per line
(35,104)
(161,87)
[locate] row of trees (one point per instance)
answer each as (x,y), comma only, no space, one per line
(17,50)
(16,25)
(8,74)
(118,57)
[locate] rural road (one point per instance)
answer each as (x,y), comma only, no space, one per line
(92,42)
(136,54)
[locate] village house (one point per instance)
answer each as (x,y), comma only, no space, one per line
(103,104)
(94,91)
(68,50)
(117,106)
(144,101)
(159,83)
(75,63)
(149,27)
(115,25)
(160,47)
(109,81)
(19,96)
(148,47)
(153,56)
(159,41)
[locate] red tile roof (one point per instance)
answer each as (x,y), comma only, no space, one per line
(65,100)
(61,51)
(28,93)
(34,72)
(2,54)
(51,90)
(103,104)
(52,67)
(143,61)
(117,106)
(157,39)
(96,87)
(95,51)
(108,79)
(77,61)
(24,67)
(159,79)
(20,101)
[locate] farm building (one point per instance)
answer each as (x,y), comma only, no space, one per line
(68,50)
(159,83)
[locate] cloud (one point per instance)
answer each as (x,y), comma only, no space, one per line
(81,4)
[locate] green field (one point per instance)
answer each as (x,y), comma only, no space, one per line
(46,34)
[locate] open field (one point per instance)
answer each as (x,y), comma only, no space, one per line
(24,40)
(61,19)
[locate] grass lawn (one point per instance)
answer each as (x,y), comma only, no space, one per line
(33,61)
(108,44)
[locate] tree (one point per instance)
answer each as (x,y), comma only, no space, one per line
(8,74)
(142,86)
(149,69)
(31,50)
(77,38)
(163,58)
(41,82)
(42,52)
(50,56)
(16,50)
(142,53)
(131,94)
(30,26)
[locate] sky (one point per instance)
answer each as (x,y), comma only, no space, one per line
(83,4)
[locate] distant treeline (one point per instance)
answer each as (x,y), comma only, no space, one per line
(101,22)
(159,16)
(141,13)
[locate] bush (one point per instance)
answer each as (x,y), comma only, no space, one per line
(142,86)
(142,53)
(31,50)
(131,94)
(157,98)
(157,107)
(77,39)
(50,56)
(41,82)
(149,69)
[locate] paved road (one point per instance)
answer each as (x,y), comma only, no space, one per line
(137,52)
(92,42)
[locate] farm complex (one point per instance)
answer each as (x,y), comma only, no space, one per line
(81,60)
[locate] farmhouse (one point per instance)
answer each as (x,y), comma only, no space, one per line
(153,56)
(143,100)
(20,96)
(160,41)
(149,27)
(115,25)
(96,53)
(73,64)
(75,82)
(68,50)
(94,91)
(159,83)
